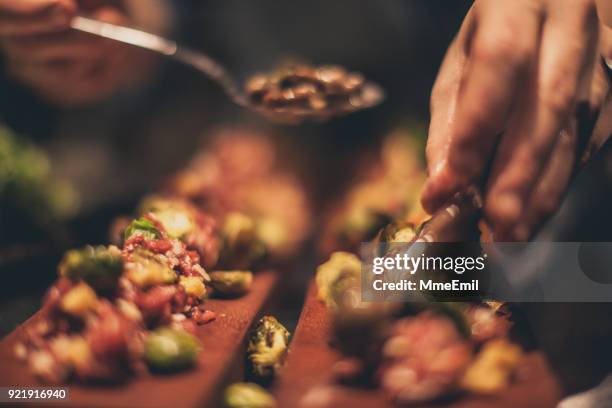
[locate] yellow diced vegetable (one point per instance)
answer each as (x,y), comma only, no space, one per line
(79,300)
(194,286)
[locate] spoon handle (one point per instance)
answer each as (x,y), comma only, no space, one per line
(169,48)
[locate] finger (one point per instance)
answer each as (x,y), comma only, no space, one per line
(500,52)
(443,105)
(112,15)
(599,99)
(545,107)
(550,188)
(29,16)
(26,7)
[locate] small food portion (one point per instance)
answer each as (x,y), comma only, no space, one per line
(231,282)
(115,312)
(423,359)
(98,266)
(242,244)
(336,277)
(182,220)
(300,91)
(417,352)
(168,349)
(248,395)
(267,348)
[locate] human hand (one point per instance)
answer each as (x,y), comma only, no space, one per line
(516,68)
(64,66)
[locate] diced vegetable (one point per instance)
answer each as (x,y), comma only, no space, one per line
(72,350)
(176,223)
(169,349)
(79,300)
(231,282)
(242,246)
(399,231)
(174,215)
(238,230)
(98,266)
(248,395)
(194,286)
(146,270)
(273,234)
(143,227)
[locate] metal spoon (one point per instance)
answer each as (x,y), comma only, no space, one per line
(372,93)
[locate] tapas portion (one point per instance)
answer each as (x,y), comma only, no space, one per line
(133,307)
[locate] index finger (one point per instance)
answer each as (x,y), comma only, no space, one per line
(505,39)
(27,6)
(34,16)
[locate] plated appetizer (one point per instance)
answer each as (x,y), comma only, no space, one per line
(415,352)
(133,307)
(118,311)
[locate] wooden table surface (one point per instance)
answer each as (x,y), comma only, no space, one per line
(307,378)
(222,342)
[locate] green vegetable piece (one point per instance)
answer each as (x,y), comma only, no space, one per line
(175,215)
(231,282)
(168,350)
(144,227)
(99,266)
(30,193)
(248,395)
(399,231)
(242,246)
(267,347)
(361,224)
(336,276)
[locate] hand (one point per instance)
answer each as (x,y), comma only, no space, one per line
(63,66)
(516,68)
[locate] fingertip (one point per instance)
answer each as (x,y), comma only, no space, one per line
(503,212)
(110,15)
(439,188)
(521,233)
(61,13)
(428,200)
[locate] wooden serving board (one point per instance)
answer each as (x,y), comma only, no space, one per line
(307,378)
(222,342)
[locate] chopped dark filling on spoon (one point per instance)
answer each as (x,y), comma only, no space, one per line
(301,91)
